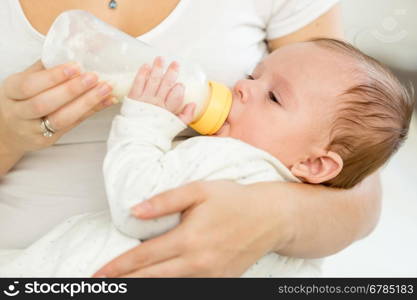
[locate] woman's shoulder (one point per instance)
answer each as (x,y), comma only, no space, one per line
(20,44)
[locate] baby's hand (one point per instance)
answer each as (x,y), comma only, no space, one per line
(154,87)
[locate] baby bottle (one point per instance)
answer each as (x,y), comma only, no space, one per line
(115,57)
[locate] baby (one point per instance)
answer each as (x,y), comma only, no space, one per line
(329,113)
(319,112)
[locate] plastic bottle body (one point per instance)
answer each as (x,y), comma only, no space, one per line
(115,56)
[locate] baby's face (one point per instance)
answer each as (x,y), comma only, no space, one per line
(286,106)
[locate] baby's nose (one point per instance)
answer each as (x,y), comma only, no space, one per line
(239,92)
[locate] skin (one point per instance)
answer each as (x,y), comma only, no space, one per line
(280,109)
(162,90)
(283,217)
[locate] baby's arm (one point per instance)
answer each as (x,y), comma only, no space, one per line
(139,162)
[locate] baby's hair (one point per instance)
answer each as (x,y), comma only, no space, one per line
(372,118)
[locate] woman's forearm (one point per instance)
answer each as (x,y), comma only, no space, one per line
(320,221)
(8,157)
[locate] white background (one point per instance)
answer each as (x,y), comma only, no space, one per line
(387,29)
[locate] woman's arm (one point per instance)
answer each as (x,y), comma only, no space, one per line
(62,94)
(329,25)
(324,221)
(8,157)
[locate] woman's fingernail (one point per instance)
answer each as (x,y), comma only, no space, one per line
(99,275)
(88,79)
(109,101)
(141,209)
(104,89)
(71,69)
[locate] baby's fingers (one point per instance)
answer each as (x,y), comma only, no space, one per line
(187,113)
(169,80)
(139,83)
(175,98)
(155,77)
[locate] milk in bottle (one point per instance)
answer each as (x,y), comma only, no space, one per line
(79,36)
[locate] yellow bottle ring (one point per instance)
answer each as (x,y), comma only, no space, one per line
(218,108)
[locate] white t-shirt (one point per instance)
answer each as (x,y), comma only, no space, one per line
(227,38)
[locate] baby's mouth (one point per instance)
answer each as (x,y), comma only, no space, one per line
(226,124)
(222,129)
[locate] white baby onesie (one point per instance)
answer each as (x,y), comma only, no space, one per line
(141,162)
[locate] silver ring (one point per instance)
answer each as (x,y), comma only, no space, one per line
(49,126)
(47,130)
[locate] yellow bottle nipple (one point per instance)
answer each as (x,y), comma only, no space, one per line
(217,110)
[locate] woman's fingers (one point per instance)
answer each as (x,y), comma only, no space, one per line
(60,94)
(36,67)
(109,101)
(175,267)
(150,252)
(54,98)
(73,111)
(171,201)
(36,79)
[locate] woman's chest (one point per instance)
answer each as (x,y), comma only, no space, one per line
(134,17)
(225,37)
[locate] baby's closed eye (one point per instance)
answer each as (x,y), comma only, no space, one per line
(271,95)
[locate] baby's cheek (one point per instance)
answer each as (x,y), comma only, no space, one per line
(224,131)
(284,144)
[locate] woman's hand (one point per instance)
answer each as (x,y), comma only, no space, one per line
(225,228)
(61,94)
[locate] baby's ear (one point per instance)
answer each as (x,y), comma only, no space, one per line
(318,169)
